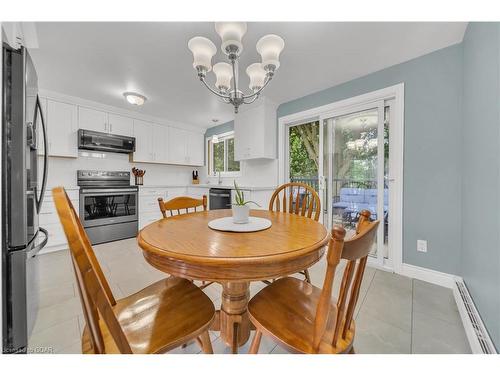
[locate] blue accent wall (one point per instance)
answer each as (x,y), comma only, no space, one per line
(481,172)
(451,159)
(219,129)
(432,139)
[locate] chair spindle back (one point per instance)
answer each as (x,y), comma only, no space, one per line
(297,198)
(355,250)
(95,293)
(175,205)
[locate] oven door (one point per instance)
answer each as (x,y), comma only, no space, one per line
(106,206)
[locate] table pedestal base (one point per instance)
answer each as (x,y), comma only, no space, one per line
(234,323)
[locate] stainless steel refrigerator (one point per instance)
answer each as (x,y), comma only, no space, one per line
(22,196)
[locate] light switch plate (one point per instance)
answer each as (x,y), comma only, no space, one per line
(422,246)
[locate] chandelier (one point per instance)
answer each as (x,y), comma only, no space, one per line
(226,86)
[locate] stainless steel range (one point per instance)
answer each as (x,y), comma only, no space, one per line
(108,205)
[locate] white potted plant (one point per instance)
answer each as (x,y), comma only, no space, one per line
(241,211)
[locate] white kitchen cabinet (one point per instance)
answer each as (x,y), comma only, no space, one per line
(157,143)
(49,220)
(195,150)
(92,119)
(143,133)
(185,147)
(39,140)
(151,142)
(177,146)
(120,125)
(160,143)
(100,121)
(62,124)
(255,131)
(149,210)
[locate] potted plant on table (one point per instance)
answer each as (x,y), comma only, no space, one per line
(241,210)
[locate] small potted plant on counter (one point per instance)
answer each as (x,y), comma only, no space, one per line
(241,210)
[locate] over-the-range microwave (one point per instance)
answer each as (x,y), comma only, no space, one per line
(97,141)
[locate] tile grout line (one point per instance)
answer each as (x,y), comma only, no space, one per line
(366,294)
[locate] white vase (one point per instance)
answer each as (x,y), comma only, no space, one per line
(240,214)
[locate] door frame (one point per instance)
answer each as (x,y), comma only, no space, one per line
(396,144)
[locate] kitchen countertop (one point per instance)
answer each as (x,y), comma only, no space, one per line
(242,187)
(160,186)
(204,186)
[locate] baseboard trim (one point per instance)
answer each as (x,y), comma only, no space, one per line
(477,334)
(53,249)
(431,276)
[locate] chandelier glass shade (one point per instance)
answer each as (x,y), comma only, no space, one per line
(226,73)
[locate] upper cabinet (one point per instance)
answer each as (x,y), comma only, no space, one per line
(61,121)
(100,121)
(196,149)
(92,119)
(143,133)
(185,147)
(255,131)
(160,143)
(151,141)
(120,125)
(177,146)
(155,143)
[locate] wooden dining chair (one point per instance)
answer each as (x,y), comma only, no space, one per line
(305,319)
(158,318)
(175,205)
(299,199)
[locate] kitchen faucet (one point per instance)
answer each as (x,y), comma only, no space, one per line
(220,179)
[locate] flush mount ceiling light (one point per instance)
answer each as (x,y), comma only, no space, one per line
(269,47)
(134,98)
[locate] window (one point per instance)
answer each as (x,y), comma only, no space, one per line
(220,156)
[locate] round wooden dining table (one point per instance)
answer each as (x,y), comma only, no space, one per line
(186,247)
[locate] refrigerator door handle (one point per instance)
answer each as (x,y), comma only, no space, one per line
(45,155)
(34,251)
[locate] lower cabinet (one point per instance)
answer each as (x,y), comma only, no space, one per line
(149,210)
(49,220)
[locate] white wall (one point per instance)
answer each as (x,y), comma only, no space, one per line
(62,171)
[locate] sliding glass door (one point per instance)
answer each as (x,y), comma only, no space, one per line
(304,155)
(356,165)
(351,152)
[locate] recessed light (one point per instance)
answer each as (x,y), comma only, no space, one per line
(134,98)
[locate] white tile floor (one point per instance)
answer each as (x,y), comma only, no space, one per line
(395,314)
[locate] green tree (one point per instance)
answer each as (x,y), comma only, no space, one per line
(304,150)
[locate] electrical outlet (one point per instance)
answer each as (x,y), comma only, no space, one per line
(422,246)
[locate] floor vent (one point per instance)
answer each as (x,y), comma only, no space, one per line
(479,339)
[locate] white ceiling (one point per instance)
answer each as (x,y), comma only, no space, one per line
(99,61)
